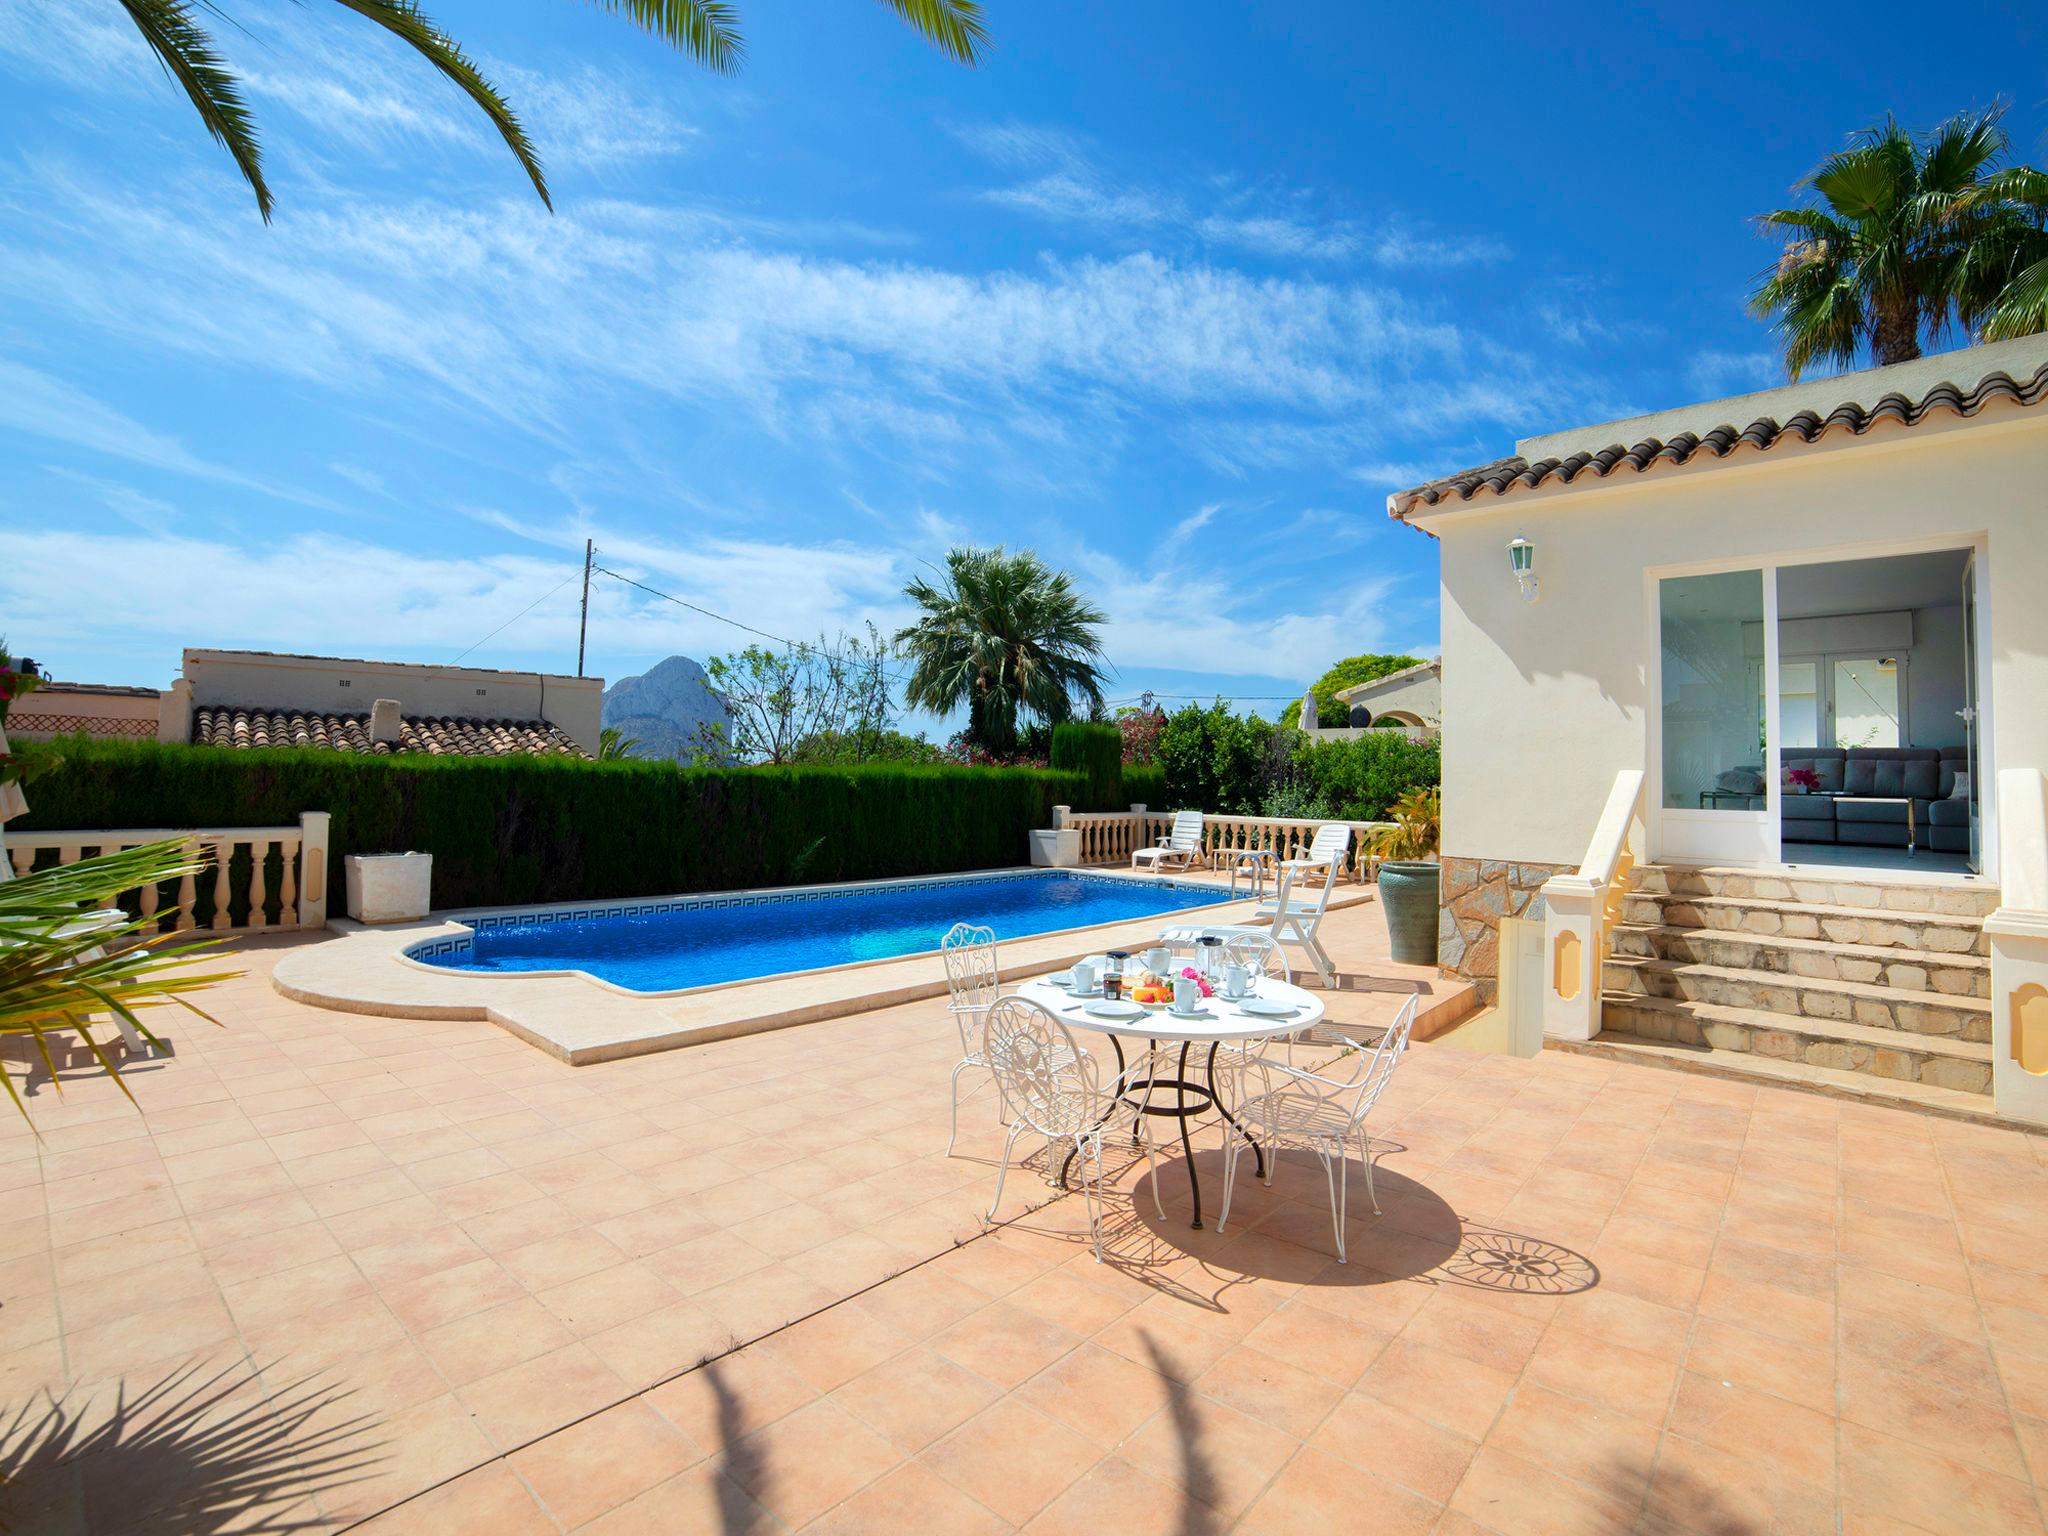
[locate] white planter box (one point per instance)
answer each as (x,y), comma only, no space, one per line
(389,887)
(1057,849)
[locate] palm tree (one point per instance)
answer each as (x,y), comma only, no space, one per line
(706,30)
(2003,290)
(1895,244)
(614,745)
(1001,633)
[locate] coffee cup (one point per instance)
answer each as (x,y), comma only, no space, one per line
(1236,980)
(1157,959)
(1084,975)
(1187,994)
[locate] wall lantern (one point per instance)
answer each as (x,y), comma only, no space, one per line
(1522,561)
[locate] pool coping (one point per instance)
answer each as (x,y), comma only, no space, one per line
(581,1021)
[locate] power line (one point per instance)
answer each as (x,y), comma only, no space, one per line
(681,602)
(522,613)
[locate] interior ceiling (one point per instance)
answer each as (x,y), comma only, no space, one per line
(1871,586)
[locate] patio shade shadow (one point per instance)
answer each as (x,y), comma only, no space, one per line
(201,1451)
(1197,1476)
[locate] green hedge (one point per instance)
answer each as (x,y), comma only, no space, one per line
(1146,787)
(520,829)
(1096,751)
(1360,777)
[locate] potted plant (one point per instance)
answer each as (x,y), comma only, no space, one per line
(1409,876)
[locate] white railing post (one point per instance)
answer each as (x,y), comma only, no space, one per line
(2019,950)
(314,827)
(1576,914)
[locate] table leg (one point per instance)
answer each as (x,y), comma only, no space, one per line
(1186,1147)
(1216,1098)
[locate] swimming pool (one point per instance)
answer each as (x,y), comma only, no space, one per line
(696,941)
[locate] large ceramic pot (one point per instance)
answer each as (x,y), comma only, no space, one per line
(1408,892)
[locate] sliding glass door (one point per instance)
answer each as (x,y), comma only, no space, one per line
(1719,683)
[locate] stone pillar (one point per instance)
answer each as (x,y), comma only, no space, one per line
(1060,813)
(314,841)
(2019,950)
(174,712)
(1571,956)
(385,724)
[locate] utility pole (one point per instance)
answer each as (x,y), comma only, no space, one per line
(583,624)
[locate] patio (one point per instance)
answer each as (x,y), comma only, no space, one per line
(414,1275)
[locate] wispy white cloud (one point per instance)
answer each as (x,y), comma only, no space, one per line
(1712,373)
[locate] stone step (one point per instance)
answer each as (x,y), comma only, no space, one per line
(1915,970)
(1947,933)
(1767,1071)
(1879,1007)
(1953,897)
(1937,1060)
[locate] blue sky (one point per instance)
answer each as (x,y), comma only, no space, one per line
(1174,293)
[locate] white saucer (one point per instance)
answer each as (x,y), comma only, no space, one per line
(1105,1009)
(1269,1008)
(1196,1012)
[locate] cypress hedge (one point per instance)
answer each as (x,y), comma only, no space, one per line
(1095,750)
(519,829)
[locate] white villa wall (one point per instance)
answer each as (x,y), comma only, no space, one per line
(1545,701)
(262,680)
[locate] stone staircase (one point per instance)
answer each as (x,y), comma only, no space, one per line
(1862,986)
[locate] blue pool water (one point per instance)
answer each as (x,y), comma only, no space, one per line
(698,941)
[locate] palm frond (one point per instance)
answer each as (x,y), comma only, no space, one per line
(707,30)
(2021,308)
(954,27)
(403,20)
(186,53)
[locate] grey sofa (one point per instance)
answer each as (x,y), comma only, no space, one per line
(1853,780)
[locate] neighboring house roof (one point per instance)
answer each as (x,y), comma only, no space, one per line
(109,690)
(1390,680)
(1957,384)
(443,736)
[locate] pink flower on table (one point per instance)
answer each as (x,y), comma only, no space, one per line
(1196,977)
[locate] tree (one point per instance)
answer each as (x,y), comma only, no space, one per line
(1897,241)
(834,693)
(1348,673)
(2010,262)
(1002,634)
(706,30)
(614,745)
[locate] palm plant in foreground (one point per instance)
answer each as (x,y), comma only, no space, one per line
(1000,634)
(1901,237)
(64,956)
(706,30)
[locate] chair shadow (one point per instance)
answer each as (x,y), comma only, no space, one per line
(196,1452)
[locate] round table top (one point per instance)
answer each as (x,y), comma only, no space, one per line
(1219,1020)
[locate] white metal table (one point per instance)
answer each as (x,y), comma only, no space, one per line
(1216,1023)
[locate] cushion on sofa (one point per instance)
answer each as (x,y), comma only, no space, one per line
(1850,809)
(1952,812)
(1826,762)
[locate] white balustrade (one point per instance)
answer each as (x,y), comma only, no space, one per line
(1110,837)
(298,897)
(1580,909)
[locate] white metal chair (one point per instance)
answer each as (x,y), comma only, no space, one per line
(1295,919)
(1052,1088)
(1181,846)
(1322,1113)
(973,982)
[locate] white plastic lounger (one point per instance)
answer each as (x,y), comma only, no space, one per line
(1295,918)
(1182,846)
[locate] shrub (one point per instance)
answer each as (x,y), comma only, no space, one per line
(1348,673)
(1360,778)
(1146,787)
(518,829)
(1095,751)
(1215,761)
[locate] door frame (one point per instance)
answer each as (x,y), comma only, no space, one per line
(1661,823)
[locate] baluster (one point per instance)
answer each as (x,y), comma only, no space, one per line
(146,901)
(22,857)
(288,852)
(223,854)
(188,894)
(259,883)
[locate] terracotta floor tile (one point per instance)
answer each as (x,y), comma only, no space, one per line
(1445,1389)
(594,1466)
(426,1445)
(908,1499)
(1270,1390)
(525,1401)
(1097,1394)
(1626,1380)
(1798,1373)
(1906,1403)
(1116,1496)
(1011,1459)
(805,1463)
(1794,1441)
(1883,1473)
(1395,1446)
(1220,1458)
(1005,1344)
(442,1297)
(838,1344)
(596,1302)
(1609,1452)
(492,1498)
(1314,1341)
(1315,1491)
(701,1499)
(1697,1488)
(1513,1497)
(494,1340)
(913,1399)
